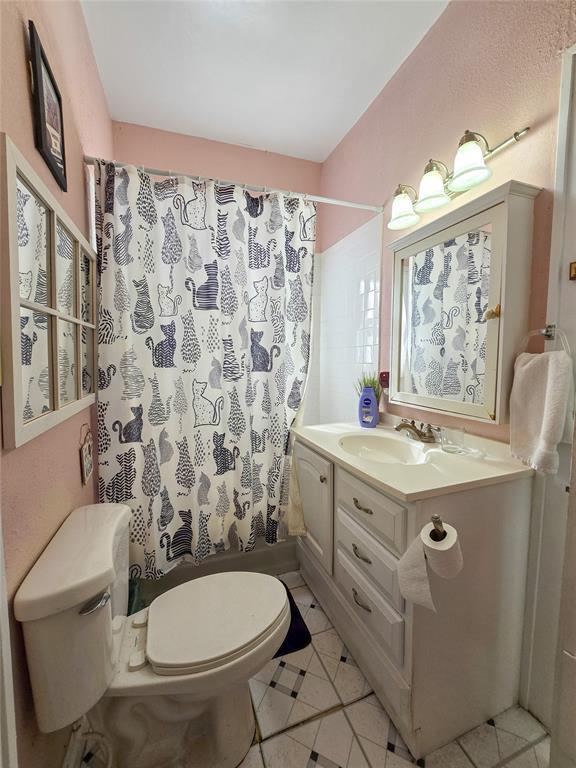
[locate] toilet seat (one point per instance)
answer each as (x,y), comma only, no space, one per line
(210,621)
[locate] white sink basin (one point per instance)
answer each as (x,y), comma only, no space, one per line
(382,448)
(407,469)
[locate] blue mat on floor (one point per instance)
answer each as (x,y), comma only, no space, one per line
(298,636)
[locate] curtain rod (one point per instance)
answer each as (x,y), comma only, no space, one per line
(262,190)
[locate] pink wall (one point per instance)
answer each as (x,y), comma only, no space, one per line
(40,482)
(140,145)
(493,67)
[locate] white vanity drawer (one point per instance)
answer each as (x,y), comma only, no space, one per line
(384,516)
(369,556)
(379,617)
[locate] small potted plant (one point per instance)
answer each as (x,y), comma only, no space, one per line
(369,389)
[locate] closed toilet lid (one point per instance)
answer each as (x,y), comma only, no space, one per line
(209,621)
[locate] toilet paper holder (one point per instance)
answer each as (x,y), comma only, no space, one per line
(438,534)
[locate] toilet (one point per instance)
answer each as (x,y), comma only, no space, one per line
(167,686)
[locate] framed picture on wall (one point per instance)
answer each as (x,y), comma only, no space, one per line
(47,104)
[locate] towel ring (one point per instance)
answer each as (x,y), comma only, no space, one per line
(551,333)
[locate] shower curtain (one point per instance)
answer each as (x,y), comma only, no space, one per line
(203,350)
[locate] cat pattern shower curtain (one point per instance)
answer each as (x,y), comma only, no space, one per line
(203,351)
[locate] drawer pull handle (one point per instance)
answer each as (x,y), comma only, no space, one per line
(359,602)
(323,478)
(360,556)
(359,506)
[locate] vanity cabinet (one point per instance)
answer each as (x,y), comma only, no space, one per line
(437,674)
(315,477)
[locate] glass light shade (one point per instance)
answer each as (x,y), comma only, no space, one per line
(431,193)
(469,167)
(403,215)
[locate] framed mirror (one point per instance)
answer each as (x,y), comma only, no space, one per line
(449,353)
(47,308)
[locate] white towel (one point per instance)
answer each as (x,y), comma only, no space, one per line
(539,405)
(568,434)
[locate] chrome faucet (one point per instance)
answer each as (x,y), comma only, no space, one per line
(425,434)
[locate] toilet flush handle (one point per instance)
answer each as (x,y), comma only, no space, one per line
(94,604)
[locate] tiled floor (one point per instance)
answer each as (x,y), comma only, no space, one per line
(315,709)
(346,677)
(291,689)
(315,618)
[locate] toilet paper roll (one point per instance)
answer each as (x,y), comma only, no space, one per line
(444,558)
(413,576)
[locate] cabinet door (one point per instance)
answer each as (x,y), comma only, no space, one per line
(451,278)
(315,480)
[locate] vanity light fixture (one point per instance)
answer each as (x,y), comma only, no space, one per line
(403,214)
(470,168)
(431,193)
(438,186)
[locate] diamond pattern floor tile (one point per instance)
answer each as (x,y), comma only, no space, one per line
(450,756)
(481,745)
(501,738)
(291,689)
(292,579)
(347,678)
(396,761)
(524,760)
(369,720)
(519,723)
(542,751)
(253,759)
(537,757)
(315,618)
(380,740)
(327,742)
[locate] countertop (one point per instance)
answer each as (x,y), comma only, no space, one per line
(436,474)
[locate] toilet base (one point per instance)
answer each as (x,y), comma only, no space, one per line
(177,731)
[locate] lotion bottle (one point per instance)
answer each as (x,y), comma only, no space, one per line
(368,408)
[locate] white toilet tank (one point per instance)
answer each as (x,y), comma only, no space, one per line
(66,604)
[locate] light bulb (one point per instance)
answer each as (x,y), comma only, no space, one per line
(470,168)
(403,215)
(431,193)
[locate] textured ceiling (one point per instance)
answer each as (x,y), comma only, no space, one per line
(290,77)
